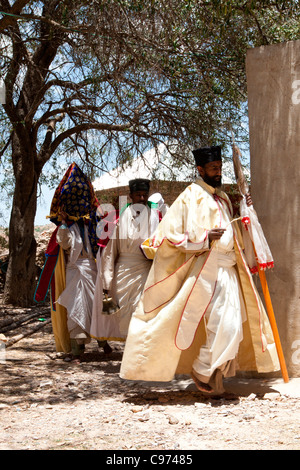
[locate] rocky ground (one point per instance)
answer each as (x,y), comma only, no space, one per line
(47,403)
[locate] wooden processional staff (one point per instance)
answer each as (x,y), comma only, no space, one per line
(244,189)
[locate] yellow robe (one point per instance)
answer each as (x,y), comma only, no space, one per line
(59,316)
(161,340)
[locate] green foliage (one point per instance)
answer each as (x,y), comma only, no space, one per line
(3,242)
(126,75)
(100,82)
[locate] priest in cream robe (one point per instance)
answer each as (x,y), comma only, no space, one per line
(122,266)
(200,312)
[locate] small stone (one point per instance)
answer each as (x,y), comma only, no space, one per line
(173,420)
(136,409)
(144,417)
(271,396)
(248,416)
(47,383)
(201,405)
(160,408)
(3,406)
(252,396)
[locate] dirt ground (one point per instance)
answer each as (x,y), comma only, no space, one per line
(47,403)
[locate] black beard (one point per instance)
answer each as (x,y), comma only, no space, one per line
(214,182)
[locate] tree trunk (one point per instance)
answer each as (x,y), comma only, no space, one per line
(21,273)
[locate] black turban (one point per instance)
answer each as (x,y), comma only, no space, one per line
(207,154)
(139,184)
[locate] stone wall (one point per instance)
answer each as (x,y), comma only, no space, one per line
(273,76)
(170,190)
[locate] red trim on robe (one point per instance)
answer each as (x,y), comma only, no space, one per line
(46,280)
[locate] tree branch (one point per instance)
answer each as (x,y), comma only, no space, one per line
(11,15)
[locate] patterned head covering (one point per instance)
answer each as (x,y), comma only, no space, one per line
(76,197)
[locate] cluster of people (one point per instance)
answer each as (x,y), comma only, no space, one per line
(173,285)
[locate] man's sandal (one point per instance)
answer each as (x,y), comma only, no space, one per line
(203,387)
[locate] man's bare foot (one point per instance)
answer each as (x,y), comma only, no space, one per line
(203,387)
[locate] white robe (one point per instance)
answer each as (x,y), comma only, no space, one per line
(167,331)
(81,272)
(123,270)
(226,312)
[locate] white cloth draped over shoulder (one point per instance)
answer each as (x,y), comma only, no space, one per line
(123,270)
(81,272)
(257,251)
(191,288)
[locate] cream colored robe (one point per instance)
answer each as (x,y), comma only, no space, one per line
(123,270)
(162,340)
